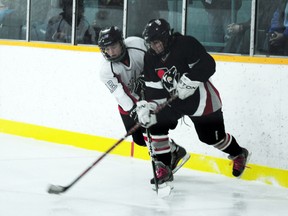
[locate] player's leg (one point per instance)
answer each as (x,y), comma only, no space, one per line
(211,130)
(168,119)
(137,135)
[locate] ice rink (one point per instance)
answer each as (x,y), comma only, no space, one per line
(118,186)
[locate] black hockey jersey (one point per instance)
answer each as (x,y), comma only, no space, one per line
(187,55)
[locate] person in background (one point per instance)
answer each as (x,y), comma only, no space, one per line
(12,19)
(4,11)
(59,28)
(219,17)
(179,65)
(140,12)
(264,13)
(121,70)
(110,12)
(278,31)
(239,41)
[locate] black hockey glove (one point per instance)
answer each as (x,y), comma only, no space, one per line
(133,113)
(139,86)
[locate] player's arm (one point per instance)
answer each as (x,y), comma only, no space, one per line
(120,92)
(201,68)
(201,64)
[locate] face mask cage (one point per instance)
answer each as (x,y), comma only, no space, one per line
(114,59)
(108,37)
(165,38)
(158,29)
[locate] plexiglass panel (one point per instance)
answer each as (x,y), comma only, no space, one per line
(13,19)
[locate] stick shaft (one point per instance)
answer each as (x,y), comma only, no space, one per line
(130,132)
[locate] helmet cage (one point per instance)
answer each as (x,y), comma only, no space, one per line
(108,37)
(158,29)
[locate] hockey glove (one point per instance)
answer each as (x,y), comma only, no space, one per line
(139,86)
(145,113)
(133,113)
(169,79)
(186,87)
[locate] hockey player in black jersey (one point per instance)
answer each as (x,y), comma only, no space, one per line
(177,64)
(121,68)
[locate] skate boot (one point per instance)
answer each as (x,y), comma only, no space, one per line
(163,173)
(164,178)
(179,157)
(239,162)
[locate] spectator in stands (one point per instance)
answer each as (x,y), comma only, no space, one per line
(278,31)
(219,16)
(141,12)
(239,41)
(110,13)
(4,10)
(59,27)
(12,19)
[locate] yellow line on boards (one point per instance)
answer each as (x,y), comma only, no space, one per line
(84,48)
(253,172)
(268,175)
(81,140)
(251,59)
(95,48)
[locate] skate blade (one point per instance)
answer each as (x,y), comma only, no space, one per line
(165,189)
(181,163)
(163,185)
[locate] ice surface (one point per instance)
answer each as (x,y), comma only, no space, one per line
(118,186)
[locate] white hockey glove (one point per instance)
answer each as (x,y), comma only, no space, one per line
(145,113)
(186,87)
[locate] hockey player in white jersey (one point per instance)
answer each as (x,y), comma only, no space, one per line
(120,71)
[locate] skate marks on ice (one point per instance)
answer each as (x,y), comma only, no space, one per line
(118,186)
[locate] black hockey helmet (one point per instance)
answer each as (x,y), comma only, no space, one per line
(109,36)
(158,29)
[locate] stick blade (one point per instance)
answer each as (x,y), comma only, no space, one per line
(56,189)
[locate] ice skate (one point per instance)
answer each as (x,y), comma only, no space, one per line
(164,176)
(179,157)
(239,162)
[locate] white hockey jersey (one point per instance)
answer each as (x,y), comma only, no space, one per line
(121,79)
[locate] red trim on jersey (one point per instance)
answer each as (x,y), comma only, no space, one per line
(123,112)
(215,90)
(208,107)
(127,91)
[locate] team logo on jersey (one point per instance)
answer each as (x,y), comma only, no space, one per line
(168,77)
(132,82)
(111,86)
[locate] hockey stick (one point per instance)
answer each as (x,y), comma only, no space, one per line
(153,158)
(57,189)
